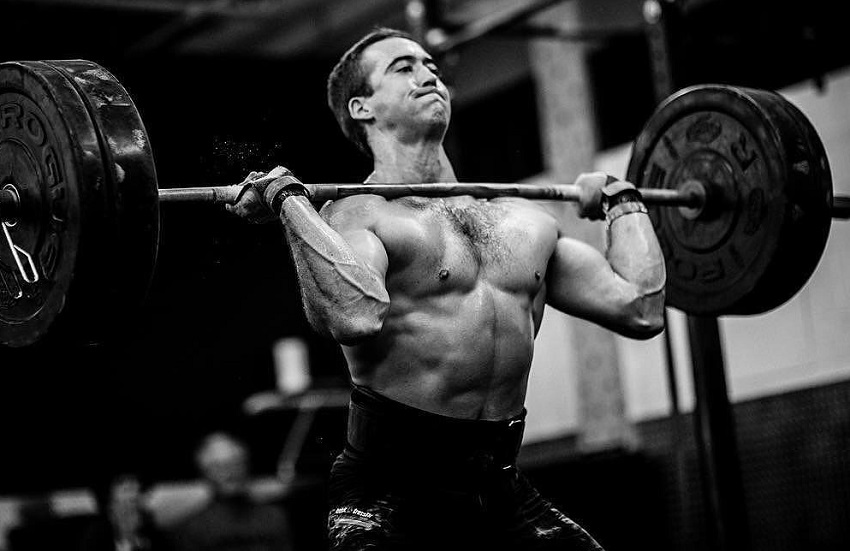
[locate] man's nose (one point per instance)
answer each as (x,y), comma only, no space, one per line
(426,77)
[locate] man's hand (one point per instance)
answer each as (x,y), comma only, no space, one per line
(262,194)
(597,190)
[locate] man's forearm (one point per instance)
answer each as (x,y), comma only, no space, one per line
(634,254)
(342,296)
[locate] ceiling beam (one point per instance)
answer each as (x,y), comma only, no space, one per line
(250,9)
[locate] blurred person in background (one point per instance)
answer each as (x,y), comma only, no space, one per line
(233,520)
(123,523)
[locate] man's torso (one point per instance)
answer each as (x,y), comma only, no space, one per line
(466,279)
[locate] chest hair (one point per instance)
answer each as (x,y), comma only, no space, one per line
(474,223)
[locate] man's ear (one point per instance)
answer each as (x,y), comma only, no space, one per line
(359,109)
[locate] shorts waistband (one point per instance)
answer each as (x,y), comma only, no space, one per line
(381,427)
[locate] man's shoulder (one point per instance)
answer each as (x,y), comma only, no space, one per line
(359,207)
(547,212)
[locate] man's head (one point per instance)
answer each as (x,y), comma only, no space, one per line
(384,56)
(224,462)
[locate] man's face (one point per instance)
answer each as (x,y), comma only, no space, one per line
(408,94)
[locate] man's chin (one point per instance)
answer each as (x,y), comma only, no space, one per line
(439,114)
(432,122)
(436,127)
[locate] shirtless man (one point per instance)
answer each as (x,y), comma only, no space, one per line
(436,304)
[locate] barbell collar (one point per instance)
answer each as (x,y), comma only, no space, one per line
(841,207)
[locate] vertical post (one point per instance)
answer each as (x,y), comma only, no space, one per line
(569,145)
(716,438)
(417,19)
(677,419)
(424,17)
(661,17)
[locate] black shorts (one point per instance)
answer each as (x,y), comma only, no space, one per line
(411,480)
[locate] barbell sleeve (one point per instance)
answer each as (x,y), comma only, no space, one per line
(211,194)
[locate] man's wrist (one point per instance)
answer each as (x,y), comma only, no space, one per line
(281,189)
(618,192)
(622,208)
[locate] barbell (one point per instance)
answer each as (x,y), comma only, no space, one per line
(736,180)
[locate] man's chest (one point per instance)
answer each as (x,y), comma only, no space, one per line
(466,240)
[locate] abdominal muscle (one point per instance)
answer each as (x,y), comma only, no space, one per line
(465,355)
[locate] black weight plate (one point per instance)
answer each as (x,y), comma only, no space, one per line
(133,189)
(50,154)
(759,239)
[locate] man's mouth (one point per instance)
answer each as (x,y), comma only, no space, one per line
(425,91)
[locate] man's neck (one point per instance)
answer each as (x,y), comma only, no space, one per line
(409,164)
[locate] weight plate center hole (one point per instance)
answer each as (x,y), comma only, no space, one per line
(12,220)
(707,227)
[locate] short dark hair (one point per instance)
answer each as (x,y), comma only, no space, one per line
(349,79)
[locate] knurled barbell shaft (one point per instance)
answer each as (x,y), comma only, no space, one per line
(691,198)
(326,192)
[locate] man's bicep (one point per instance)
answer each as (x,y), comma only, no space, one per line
(369,249)
(581,282)
(354,223)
